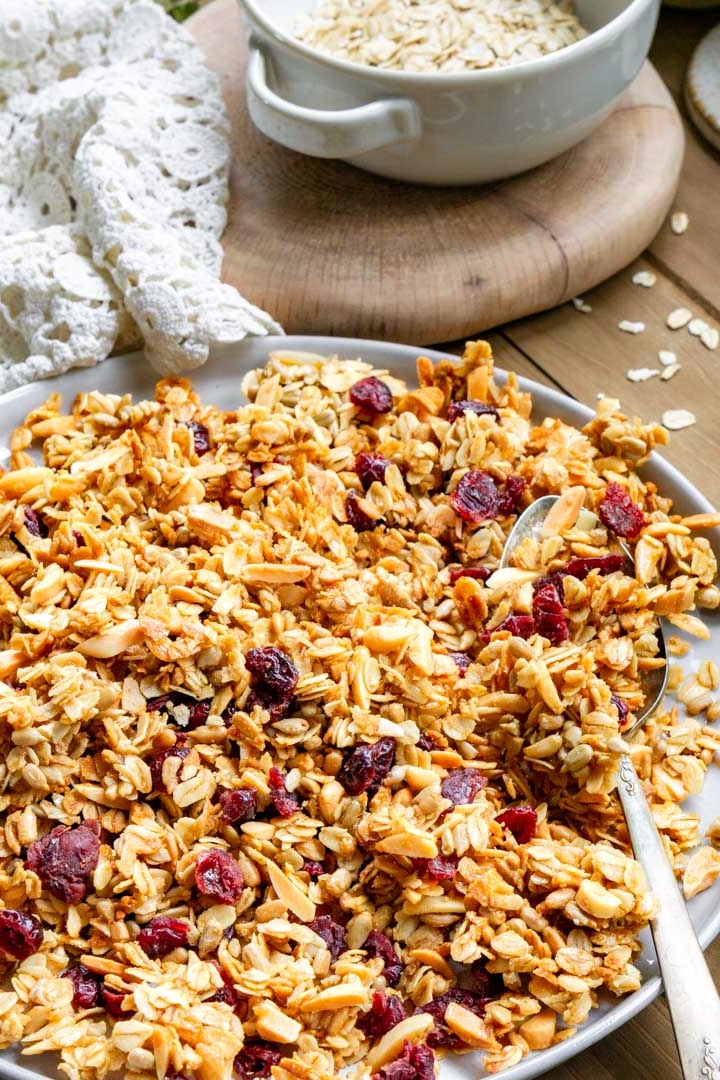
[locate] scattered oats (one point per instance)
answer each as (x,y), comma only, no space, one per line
(677,419)
(678,318)
(641,374)
(710,337)
(679,222)
(670,372)
(580,305)
(667,357)
(697,326)
(631,327)
(646,278)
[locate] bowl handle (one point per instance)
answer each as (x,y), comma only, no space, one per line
(327,133)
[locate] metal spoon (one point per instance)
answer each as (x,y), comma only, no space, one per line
(693,1001)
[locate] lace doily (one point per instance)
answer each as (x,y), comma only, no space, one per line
(113,184)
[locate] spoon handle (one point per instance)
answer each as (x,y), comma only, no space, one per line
(689,989)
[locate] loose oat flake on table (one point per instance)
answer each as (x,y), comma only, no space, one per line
(293,778)
(113,187)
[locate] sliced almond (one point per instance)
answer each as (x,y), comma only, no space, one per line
(677,419)
(342,996)
(564,513)
(113,641)
(275,1025)
(414,1030)
(468,1027)
(412,845)
(287,891)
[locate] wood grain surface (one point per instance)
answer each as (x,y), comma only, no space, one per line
(583,354)
(330,249)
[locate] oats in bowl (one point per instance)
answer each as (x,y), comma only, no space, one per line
(289,776)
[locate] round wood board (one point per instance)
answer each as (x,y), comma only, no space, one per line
(329,249)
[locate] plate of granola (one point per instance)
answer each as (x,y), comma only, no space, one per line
(295,781)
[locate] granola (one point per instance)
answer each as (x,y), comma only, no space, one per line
(294,777)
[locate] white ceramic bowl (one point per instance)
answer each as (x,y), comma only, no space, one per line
(441,128)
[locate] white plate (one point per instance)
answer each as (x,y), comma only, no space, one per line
(219,382)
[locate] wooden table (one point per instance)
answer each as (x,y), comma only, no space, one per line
(584,354)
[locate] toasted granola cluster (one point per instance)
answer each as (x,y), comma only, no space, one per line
(293,776)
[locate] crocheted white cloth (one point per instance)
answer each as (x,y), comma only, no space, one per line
(113,184)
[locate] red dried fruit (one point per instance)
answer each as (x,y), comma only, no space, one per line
(462,786)
(549,614)
(86,987)
(21,935)
(385,1012)
(618,512)
(428,741)
(228,713)
(371,395)
(459,408)
(201,436)
(415,1062)
(113,1001)
(178,751)
(356,516)
(162,935)
(227,995)
(332,933)
(238,805)
(441,1035)
(479,573)
(477,497)
(367,766)
(521,821)
(313,869)
(441,868)
(622,707)
(518,625)
(185,711)
(371,468)
(256,1059)
(218,876)
(462,661)
(285,802)
(581,567)
(256,471)
(514,490)
(275,679)
(64,858)
(379,945)
(34,523)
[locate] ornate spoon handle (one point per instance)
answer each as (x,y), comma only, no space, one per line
(689,989)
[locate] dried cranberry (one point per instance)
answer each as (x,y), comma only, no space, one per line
(441,1035)
(622,707)
(313,869)
(371,468)
(549,614)
(238,805)
(64,858)
(256,470)
(379,945)
(514,490)
(227,995)
(256,1059)
(581,567)
(459,408)
(479,573)
(332,933)
(367,766)
(178,751)
(228,713)
(415,1062)
(34,523)
(462,786)
(462,661)
(441,868)
(484,985)
(618,512)
(21,935)
(201,436)
(162,935)
(113,1001)
(86,987)
(218,876)
(518,625)
(477,498)
(385,1012)
(356,516)
(185,711)
(371,395)
(521,821)
(78,538)
(428,741)
(275,679)
(285,802)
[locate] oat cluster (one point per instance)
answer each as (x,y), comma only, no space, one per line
(294,777)
(440,35)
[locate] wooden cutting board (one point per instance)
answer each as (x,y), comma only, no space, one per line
(329,249)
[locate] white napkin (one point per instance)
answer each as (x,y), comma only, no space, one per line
(113,185)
